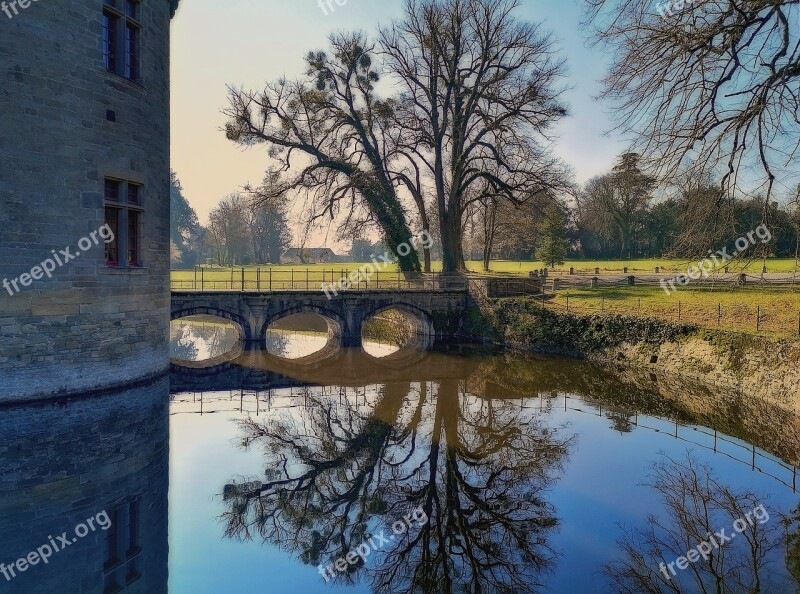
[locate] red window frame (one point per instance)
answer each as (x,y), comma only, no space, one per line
(133,238)
(112,247)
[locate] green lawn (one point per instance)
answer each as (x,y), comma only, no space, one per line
(786,265)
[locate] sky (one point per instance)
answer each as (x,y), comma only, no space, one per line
(249,42)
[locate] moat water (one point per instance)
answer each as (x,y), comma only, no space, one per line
(300,468)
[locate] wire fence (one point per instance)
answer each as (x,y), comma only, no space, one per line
(668,282)
(767,319)
(709,439)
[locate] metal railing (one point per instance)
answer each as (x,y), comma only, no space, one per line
(270,280)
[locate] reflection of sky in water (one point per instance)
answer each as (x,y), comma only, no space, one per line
(201,338)
(599,488)
(292,344)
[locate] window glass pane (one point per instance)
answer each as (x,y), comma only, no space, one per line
(133,238)
(133,525)
(112,252)
(134,194)
(112,190)
(110,41)
(131,52)
(131,8)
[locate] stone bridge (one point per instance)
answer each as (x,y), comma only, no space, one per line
(436,314)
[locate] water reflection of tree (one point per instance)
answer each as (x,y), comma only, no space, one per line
(476,468)
(793,545)
(698,506)
(183,346)
(216,338)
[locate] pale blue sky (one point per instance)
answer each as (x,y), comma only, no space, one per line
(248,42)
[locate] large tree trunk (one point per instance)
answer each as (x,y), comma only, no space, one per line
(391,218)
(452,256)
(426,251)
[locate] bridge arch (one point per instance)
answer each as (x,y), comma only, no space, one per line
(337,325)
(245,330)
(421,322)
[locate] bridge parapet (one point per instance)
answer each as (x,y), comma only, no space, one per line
(439,311)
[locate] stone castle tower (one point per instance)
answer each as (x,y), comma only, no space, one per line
(84,194)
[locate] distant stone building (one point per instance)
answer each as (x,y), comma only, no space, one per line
(309,256)
(84,155)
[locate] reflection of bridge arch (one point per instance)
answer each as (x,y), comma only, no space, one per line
(245,331)
(260,370)
(336,323)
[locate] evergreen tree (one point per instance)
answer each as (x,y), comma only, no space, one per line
(186,233)
(553,244)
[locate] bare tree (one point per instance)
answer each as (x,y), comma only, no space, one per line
(328,126)
(479,95)
(706,84)
(697,505)
(229,229)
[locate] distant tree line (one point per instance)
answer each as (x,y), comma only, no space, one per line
(624,214)
(243,229)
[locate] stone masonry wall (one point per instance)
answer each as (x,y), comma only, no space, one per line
(90,326)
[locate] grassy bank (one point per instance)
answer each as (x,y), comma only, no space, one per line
(754,310)
(760,366)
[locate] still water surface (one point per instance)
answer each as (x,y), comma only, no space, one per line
(534,475)
(515,473)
